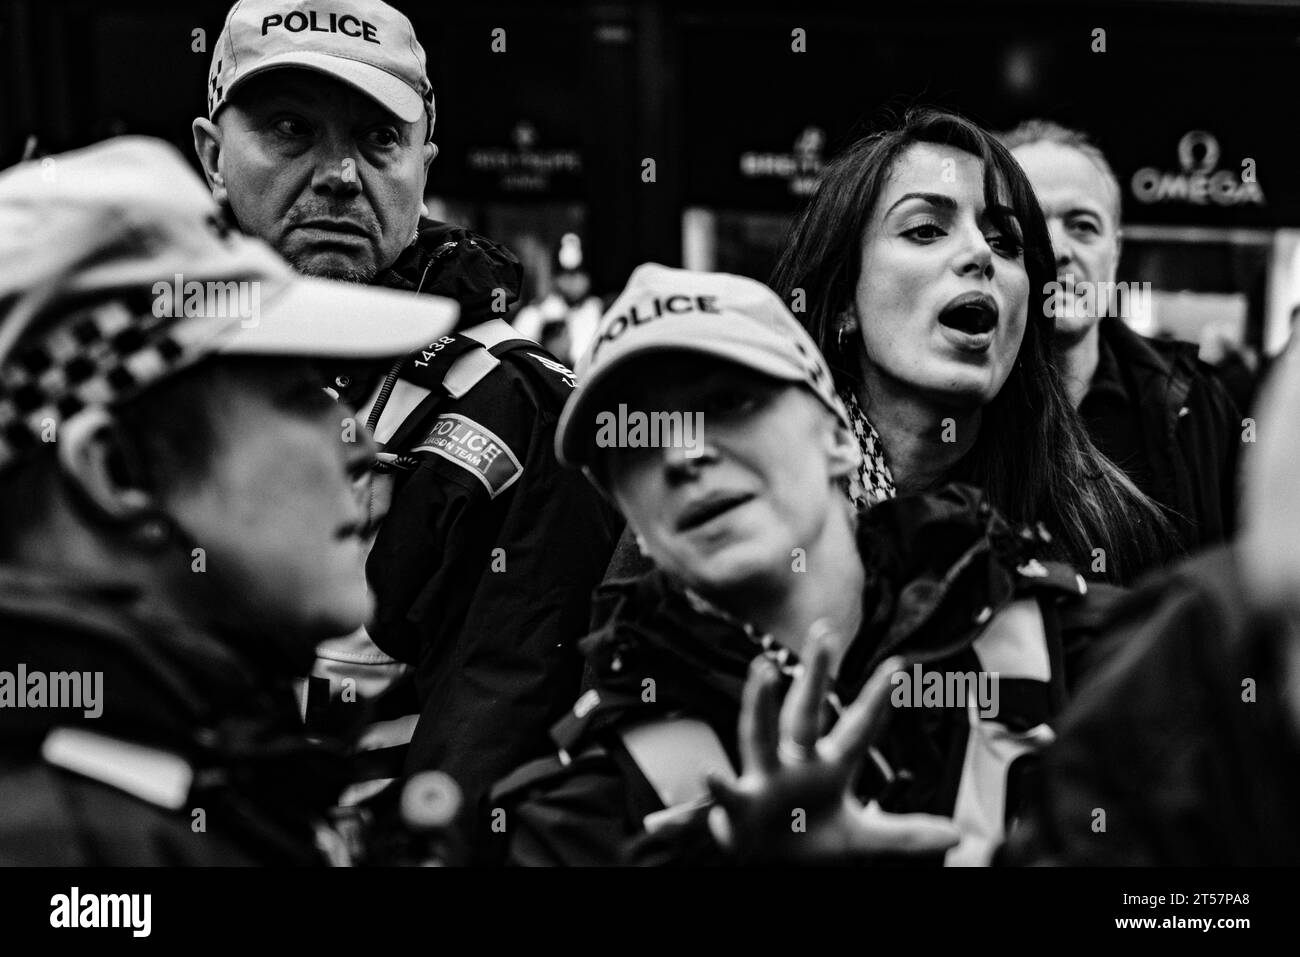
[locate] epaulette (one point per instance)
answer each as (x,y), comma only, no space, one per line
(449,367)
(159,777)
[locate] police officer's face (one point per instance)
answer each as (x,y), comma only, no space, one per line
(323,173)
(276,510)
(930,246)
(760,484)
(1080,205)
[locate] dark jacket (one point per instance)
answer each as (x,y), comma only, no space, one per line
(941,570)
(1181,750)
(484,565)
(197,757)
(1164,418)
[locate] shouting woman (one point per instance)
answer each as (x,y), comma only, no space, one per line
(922,268)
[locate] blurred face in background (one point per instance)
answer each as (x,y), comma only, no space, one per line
(942,294)
(275,508)
(764,481)
(320,171)
(1081,208)
(573,285)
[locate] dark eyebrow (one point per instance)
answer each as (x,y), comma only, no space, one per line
(934,199)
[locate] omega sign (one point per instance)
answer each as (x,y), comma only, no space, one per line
(1200,182)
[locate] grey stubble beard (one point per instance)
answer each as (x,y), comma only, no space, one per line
(304,267)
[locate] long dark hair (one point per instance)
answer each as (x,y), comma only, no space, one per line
(1033,455)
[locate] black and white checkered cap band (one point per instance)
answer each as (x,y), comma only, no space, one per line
(97,355)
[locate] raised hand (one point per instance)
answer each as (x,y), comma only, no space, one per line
(794,801)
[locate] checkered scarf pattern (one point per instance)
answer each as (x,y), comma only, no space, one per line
(873,482)
(100,354)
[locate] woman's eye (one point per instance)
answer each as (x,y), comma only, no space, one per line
(925,232)
(1007,245)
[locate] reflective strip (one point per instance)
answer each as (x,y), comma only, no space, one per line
(388,734)
(468,371)
(1014,643)
(402,401)
(493,332)
(981,804)
(159,777)
(676,756)
(354,648)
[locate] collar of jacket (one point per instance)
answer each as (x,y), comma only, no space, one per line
(1158,370)
(937,567)
(164,685)
(452,261)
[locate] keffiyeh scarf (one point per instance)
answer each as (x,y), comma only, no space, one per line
(872,483)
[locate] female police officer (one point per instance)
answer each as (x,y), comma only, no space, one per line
(756,545)
(179,525)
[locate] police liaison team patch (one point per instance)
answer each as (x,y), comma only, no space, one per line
(476,449)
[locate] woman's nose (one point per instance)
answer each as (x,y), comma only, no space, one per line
(684,460)
(977,257)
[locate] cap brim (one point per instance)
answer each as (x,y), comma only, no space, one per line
(576,430)
(321,318)
(390,92)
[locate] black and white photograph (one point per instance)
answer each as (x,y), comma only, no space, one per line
(798,445)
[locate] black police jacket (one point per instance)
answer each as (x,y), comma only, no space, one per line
(188,754)
(949,585)
(1181,749)
(484,564)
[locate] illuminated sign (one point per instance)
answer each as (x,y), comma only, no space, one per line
(1200,182)
(523,167)
(801,169)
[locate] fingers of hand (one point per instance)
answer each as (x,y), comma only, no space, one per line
(801,713)
(720,828)
(758,719)
(863,720)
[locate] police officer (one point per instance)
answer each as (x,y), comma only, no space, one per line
(759,554)
(179,525)
(318,138)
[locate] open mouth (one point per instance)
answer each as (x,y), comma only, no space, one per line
(706,510)
(974,313)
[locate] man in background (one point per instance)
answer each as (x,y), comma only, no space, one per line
(1150,406)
